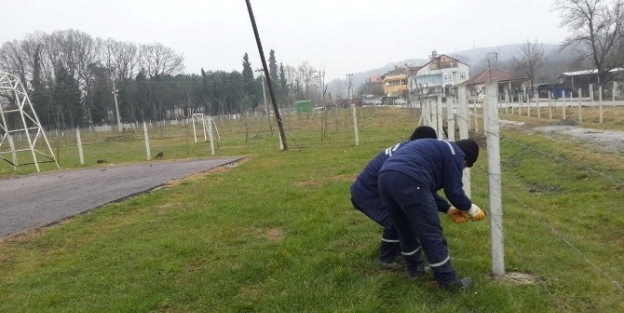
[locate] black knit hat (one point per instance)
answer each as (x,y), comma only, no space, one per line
(470,149)
(422,132)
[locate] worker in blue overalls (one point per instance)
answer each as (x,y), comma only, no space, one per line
(407,183)
(365,198)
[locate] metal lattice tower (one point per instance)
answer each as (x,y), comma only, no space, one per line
(20,130)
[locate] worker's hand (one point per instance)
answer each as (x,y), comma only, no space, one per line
(476,214)
(458,216)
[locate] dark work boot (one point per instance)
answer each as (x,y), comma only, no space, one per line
(416,271)
(464,283)
(390,265)
(388,252)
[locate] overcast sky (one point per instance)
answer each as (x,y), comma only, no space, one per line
(343,36)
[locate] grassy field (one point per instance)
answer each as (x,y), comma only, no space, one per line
(277,232)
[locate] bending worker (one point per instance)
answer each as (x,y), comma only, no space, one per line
(365,198)
(407,182)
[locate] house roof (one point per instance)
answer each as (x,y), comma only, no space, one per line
(439,56)
(375,79)
(500,75)
(589,72)
(401,70)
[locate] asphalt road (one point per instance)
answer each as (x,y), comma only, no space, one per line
(33,201)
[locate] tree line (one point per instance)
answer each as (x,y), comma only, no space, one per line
(73,79)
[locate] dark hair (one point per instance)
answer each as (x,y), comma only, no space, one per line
(422,132)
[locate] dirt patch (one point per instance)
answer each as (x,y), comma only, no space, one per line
(517,278)
(272,234)
(608,141)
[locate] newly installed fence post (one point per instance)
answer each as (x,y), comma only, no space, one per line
(549,105)
(591,92)
(563,105)
(600,102)
(580,95)
(463,123)
(440,122)
(204,126)
(529,105)
(147,148)
(494,172)
(14,154)
(212,151)
(507,103)
(537,104)
(355,124)
(194,131)
(450,115)
(476,121)
(79,143)
(432,114)
(614,89)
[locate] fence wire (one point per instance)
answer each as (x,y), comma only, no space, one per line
(508,192)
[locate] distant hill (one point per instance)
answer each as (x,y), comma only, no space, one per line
(473,57)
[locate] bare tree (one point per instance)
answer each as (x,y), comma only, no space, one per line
(127,60)
(14,60)
(292,83)
(121,58)
(530,59)
(158,60)
(597,27)
(308,77)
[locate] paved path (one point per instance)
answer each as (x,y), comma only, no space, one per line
(33,201)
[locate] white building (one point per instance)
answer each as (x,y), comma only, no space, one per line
(440,76)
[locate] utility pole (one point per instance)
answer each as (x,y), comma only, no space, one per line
(116,106)
(280,124)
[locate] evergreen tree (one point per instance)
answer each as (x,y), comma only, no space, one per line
(142,101)
(205,94)
(250,86)
(283,84)
(68,109)
(98,99)
(272,66)
(40,98)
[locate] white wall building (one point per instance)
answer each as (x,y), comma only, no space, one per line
(440,76)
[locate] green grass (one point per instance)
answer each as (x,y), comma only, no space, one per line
(277,233)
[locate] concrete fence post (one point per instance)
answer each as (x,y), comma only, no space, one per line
(494,175)
(580,104)
(463,124)
(600,103)
(147,146)
(79,143)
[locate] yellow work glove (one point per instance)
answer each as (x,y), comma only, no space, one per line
(476,214)
(458,216)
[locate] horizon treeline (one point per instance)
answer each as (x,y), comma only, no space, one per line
(72,80)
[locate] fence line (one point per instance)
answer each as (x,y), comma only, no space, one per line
(496,136)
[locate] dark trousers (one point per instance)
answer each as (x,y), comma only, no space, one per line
(413,208)
(389,248)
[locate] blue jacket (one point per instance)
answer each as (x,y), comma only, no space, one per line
(365,186)
(437,164)
(365,190)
